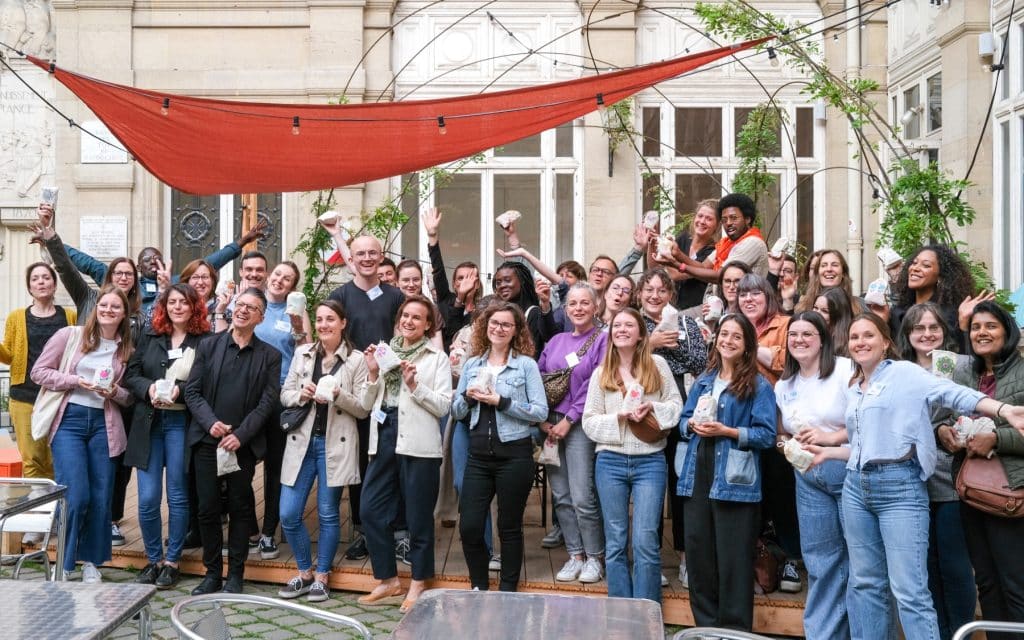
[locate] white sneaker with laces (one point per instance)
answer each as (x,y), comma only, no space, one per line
(34,539)
(683,576)
(90,574)
(570,571)
(495,563)
(790,581)
(592,571)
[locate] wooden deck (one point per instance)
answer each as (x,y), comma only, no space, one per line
(776,614)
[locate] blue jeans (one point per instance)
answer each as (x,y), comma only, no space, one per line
(166,450)
(293,503)
(885,510)
(644,476)
(572,491)
(950,575)
(819,499)
(81,462)
(460,455)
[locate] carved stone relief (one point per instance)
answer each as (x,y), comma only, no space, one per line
(26,138)
(27,25)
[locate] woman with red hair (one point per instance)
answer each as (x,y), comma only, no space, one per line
(156,377)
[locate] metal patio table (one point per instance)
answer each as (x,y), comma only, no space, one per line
(452,613)
(21,495)
(41,610)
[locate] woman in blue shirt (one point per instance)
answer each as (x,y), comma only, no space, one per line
(501,394)
(720,478)
(885,499)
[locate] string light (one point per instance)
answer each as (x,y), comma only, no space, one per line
(441,129)
(295,126)
(600,103)
(773,57)
(165,106)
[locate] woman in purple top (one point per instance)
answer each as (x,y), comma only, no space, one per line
(572,483)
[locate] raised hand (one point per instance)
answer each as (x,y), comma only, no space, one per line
(432,222)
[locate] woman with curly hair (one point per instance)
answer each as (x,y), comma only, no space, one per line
(935,273)
(500,394)
(156,440)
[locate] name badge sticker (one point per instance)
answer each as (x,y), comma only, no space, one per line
(283,325)
(374,293)
(174,354)
(876,389)
(572,359)
(380,416)
(150,287)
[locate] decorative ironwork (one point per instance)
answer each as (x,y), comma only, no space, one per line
(195,227)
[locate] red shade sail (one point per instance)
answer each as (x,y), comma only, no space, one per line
(204,146)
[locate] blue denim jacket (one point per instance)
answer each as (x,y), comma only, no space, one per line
(520,382)
(737,462)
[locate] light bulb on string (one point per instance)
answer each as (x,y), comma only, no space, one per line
(773,58)
(165,106)
(441,129)
(601,106)
(295,126)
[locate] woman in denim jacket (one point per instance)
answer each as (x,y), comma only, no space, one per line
(502,393)
(720,477)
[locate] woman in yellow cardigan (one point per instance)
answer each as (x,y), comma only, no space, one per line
(26,332)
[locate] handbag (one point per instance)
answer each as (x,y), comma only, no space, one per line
(293,417)
(48,402)
(648,430)
(982,484)
(556,383)
(766,568)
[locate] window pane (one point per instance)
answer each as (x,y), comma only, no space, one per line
(691,188)
(563,139)
(767,206)
(650,186)
(522,193)
(805,211)
(525,148)
(740,116)
(410,190)
(699,132)
(805,132)
(459,200)
(911,102)
(935,102)
(565,220)
(1007,213)
(195,227)
(652,132)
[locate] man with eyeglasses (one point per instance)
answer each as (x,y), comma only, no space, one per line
(371,307)
(231,393)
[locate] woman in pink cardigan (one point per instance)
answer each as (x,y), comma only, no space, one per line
(88,430)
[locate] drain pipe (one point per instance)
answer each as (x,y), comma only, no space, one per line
(855,192)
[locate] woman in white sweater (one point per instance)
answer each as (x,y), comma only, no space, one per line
(632,404)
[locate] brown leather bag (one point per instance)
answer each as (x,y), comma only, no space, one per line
(766,568)
(982,484)
(648,430)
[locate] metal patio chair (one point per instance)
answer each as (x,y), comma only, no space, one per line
(213,624)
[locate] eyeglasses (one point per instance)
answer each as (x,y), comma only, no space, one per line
(199,278)
(367,254)
(730,283)
(654,292)
(926,328)
(504,326)
(623,290)
(245,306)
(750,294)
(602,271)
(122,274)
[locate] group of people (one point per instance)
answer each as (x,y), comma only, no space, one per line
(760,397)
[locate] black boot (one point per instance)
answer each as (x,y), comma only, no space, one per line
(211,584)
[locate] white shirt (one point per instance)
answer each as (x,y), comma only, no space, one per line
(814,401)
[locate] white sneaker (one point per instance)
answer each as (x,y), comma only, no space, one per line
(683,576)
(495,563)
(34,539)
(592,571)
(664,580)
(570,570)
(90,574)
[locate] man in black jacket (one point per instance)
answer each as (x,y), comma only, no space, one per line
(231,392)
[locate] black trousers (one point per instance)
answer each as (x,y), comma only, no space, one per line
(240,505)
(994,545)
(674,500)
(276,442)
(510,479)
(390,476)
(355,491)
(722,536)
(122,474)
(778,489)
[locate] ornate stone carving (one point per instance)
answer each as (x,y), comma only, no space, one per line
(27,25)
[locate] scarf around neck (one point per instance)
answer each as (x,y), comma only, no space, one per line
(724,246)
(393,378)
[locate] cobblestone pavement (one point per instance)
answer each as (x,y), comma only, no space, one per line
(248,622)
